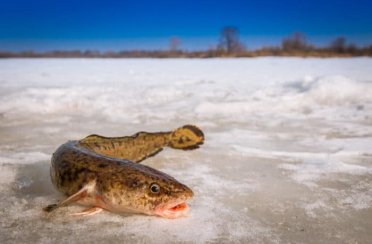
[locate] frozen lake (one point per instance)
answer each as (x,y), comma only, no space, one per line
(287,157)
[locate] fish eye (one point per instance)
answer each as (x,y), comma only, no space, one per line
(155,188)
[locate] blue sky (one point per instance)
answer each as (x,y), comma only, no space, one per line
(116,25)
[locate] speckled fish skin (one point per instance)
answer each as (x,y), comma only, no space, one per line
(142,145)
(121,185)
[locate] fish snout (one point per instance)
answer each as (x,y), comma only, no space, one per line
(188,193)
(183,192)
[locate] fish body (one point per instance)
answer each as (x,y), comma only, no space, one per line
(104,173)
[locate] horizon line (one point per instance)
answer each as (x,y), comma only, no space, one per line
(197,43)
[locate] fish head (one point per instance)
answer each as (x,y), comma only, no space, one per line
(168,197)
(149,191)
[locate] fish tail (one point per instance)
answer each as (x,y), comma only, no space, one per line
(187,137)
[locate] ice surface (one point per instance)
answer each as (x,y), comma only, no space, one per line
(287,157)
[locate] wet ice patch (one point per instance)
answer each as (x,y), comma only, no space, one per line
(206,181)
(23,157)
(309,171)
(308,167)
(358,197)
(295,156)
(7,175)
(334,199)
(313,209)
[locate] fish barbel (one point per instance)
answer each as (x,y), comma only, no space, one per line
(104,173)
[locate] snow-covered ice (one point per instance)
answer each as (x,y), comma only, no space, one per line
(287,157)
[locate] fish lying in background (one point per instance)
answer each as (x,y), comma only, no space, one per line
(103,173)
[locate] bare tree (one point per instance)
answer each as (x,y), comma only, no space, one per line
(338,45)
(229,40)
(295,42)
(174,43)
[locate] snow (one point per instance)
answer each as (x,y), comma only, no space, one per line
(287,157)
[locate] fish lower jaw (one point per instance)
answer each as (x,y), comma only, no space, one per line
(173,211)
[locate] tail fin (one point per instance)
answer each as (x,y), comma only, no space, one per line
(187,137)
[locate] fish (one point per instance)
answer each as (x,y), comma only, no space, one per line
(104,173)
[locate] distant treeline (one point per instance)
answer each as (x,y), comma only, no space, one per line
(229,46)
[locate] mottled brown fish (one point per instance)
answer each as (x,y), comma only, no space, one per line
(103,173)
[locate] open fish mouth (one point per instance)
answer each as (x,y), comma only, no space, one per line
(174,210)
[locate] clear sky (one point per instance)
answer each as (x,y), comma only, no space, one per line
(131,24)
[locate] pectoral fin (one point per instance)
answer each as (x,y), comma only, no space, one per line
(78,196)
(88,211)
